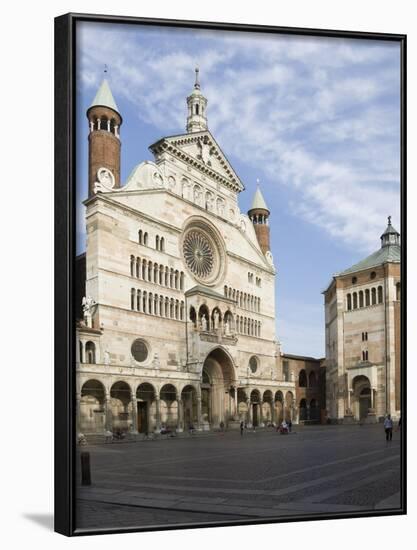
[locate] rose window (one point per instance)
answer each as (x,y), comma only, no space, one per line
(202,249)
(198,254)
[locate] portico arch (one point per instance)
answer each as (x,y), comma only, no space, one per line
(92,412)
(121,406)
(217,378)
(189,403)
(279,406)
(145,396)
(267,407)
(303,410)
(169,406)
(289,402)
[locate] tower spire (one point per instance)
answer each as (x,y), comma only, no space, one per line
(259,214)
(104,122)
(196,103)
(390,235)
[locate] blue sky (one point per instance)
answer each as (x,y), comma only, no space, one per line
(317,120)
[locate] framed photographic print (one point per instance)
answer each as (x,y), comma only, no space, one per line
(230,274)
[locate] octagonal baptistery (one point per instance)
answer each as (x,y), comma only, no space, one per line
(178,294)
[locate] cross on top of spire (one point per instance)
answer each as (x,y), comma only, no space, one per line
(197,83)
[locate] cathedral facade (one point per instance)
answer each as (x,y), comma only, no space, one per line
(178,323)
(363,339)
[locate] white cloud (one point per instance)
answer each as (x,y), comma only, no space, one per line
(317,115)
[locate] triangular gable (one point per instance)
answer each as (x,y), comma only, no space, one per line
(201,150)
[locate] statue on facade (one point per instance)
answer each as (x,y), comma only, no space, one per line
(227,327)
(156,362)
(88,303)
(203,323)
(216,318)
(106,358)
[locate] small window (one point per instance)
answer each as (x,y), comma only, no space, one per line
(373,275)
(354,280)
(286,370)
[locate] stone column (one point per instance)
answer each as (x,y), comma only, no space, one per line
(249,405)
(261,415)
(158,413)
(199,427)
(134,413)
(272,412)
(108,421)
(308,412)
(236,404)
(78,413)
(180,423)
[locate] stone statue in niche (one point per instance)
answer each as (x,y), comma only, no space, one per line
(203,323)
(156,362)
(216,318)
(106,358)
(210,202)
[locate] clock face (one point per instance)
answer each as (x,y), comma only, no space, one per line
(202,251)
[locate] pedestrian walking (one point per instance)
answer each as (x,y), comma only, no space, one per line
(289,425)
(241,428)
(388,428)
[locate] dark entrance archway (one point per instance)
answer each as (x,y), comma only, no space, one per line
(361,396)
(218,375)
(145,395)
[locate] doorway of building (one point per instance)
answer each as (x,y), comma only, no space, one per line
(217,378)
(142,417)
(364,403)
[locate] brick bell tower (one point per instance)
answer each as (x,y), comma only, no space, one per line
(103,140)
(259,214)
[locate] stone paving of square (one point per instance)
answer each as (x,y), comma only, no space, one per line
(216,477)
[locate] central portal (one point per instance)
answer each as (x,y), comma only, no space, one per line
(218,376)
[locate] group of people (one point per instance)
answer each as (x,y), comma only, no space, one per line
(283,428)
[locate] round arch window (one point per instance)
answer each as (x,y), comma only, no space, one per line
(139,350)
(253,364)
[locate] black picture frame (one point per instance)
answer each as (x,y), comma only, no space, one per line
(65,137)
